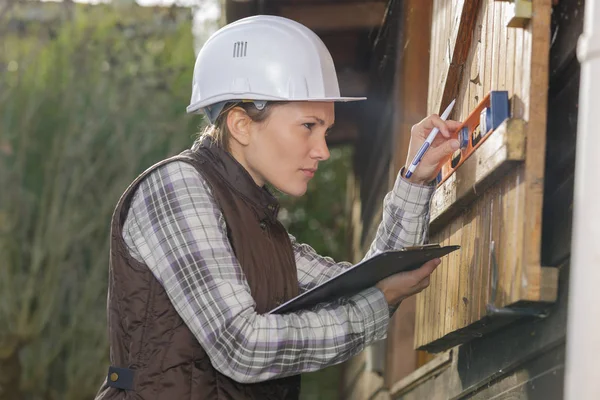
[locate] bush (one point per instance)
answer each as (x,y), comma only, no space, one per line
(82,111)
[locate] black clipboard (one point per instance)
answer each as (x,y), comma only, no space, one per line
(365,275)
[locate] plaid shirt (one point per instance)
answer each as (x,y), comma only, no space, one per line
(175,227)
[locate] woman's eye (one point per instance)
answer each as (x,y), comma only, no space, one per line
(309,125)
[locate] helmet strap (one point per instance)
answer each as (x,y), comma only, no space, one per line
(214,110)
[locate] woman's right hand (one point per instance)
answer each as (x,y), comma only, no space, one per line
(398,287)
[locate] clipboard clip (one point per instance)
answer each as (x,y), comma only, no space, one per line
(422,247)
(491,308)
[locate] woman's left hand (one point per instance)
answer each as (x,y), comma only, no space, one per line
(442,147)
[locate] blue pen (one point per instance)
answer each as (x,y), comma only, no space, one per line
(428,142)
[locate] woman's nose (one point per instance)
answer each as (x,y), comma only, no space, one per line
(320,151)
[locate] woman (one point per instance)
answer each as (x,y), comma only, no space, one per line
(198,256)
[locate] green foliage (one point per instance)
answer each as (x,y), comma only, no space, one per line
(90,96)
(82,112)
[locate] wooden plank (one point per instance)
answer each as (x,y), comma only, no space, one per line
(441,294)
(475,266)
(510,206)
(505,146)
(460,43)
(518,107)
(526,77)
(509,240)
(435,289)
(429,321)
(446,292)
(438,298)
(472,76)
(489,48)
(483,50)
(420,323)
(336,17)
(484,253)
(509,60)
(435,366)
(439,51)
(457,261)
(536,145)
(503,37)
(439,46)
(468,88)
(496,29)
(472,267)
(549,284)
(450,292)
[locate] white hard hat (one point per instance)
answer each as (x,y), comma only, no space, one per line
(264,58)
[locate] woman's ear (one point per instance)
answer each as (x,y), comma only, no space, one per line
(238,122)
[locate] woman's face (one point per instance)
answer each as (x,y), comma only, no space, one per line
(286,148)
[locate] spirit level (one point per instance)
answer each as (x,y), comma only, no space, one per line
(478,126)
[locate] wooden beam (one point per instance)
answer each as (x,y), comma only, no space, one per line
(335,17)
(459,45)
(417,377)
(535,154)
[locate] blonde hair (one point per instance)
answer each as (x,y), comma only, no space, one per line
(219,131)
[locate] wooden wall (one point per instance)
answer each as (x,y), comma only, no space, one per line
(473,52)
(525,359)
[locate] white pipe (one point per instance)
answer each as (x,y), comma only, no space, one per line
(582,379)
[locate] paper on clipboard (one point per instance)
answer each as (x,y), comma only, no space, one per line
(364,275)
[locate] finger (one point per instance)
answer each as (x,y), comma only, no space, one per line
(438,141)
(453,125)
(439,123)
(443,151)
(422,128)
(426,269)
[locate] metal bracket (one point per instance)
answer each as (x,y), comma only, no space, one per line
(491,308)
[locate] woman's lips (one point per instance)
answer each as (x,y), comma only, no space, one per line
(309,172)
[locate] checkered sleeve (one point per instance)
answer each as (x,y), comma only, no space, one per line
(405,219)
(175,227)
(404,223)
